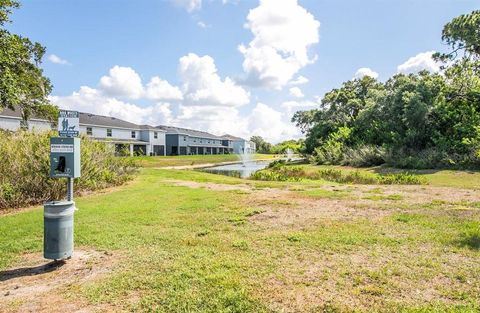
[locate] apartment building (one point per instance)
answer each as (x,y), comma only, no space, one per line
(139,139)
(125,136)
(184,141)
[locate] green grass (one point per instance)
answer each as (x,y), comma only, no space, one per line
(443,178)
(184,160)
(187,249)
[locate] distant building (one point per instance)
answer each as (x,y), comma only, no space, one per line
(240,145)
(183,141)
(136,139)
(139,139)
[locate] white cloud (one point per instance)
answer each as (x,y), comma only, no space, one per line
(57,60)
(300,80)
(296,92)
(290,107)
(189,5)
(420,62)
(271,124)
(159,89)
(283,31)
(202,24)
(122,82)
(365,71)
(203,86)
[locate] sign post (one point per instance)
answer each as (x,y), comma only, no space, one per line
(64,163)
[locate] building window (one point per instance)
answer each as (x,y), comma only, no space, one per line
(155,135)
(109,132)
(184,138)
(133,134)
(89,131)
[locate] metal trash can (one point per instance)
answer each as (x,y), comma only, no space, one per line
(58,229)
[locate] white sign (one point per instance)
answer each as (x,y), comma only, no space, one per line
(61,148)
(68,124)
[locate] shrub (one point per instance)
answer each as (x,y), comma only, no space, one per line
(433,158)
(358,177)
(331,151)
(363,156)
(25,169)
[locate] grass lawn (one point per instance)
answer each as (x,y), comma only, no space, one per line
(182,160)
(187,241)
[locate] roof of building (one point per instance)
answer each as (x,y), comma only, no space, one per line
(189,132)
(100,120)
(15,113)
(88,119)
(230,137)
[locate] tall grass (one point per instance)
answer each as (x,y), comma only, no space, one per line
(278,171)
(25,169)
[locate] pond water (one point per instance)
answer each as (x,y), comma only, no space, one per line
(241,170)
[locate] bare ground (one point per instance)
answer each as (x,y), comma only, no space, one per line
(35,284)
(288,207)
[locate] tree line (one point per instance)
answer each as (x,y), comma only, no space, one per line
(422,120)
(264,146)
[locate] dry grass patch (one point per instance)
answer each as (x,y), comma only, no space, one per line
(369,278)
(39,285)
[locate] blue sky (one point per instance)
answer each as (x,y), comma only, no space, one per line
(182,42)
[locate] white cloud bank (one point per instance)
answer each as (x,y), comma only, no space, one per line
(204,101)
(57,60)
(365,71)
(203,85)
(420,62)
(283,31)
(124,82)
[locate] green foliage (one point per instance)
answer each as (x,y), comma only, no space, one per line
(462,34)
(279,171)
(25,169)
(261,144)
(6,7)
(295,146)
(22,84)
(419,120)
(358,177)
(331,151)
(363,156)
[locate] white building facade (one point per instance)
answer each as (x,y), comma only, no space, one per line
(126,137)
(133,139)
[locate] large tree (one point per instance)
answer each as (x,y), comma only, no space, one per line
(22,83)
(262,145)
(462,34)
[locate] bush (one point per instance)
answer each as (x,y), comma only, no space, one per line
(277,171)
(357,177)
(25,169)
(363,156)
(433,158)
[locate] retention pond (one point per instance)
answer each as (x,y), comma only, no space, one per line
(241,170)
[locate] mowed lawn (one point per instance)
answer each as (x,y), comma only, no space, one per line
(186,241)
(185,160)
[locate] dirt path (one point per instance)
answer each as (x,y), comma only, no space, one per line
(34,284)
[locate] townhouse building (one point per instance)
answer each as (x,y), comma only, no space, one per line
(184,141)
(138,139)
